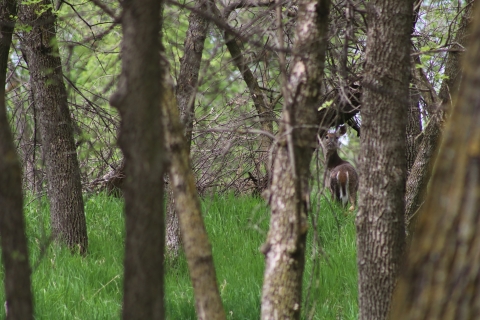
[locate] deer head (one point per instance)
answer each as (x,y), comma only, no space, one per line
(340,176)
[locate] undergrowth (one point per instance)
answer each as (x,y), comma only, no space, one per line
(67,286)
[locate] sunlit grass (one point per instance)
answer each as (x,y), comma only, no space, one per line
(68,286)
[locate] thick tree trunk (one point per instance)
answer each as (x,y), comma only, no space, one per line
(380,219)
(12,227)
(289,193)
(422,168)
(187,204)
(141,139)
(441,279)
(55,125)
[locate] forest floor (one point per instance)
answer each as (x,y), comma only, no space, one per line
(68,286)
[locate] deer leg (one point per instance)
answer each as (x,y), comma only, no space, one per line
(352,201)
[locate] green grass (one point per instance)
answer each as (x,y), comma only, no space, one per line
(67,286)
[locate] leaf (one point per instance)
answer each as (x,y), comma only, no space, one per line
(326,104)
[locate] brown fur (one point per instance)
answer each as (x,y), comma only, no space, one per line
(341,177)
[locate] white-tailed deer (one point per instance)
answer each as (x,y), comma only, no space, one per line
(340,176)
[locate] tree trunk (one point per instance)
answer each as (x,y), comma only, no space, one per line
(12,227)
(422,168)
(173,240)
(187,85)
(138,99)
(187,204)
(289,193)
(414,125)
(441,279)
(382,166)
(55,125)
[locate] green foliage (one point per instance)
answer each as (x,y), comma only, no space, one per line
(68,286)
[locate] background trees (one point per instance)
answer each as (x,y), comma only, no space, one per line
(441,277)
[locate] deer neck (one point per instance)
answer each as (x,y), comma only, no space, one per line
(334,160)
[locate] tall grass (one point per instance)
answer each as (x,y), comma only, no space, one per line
(68,286)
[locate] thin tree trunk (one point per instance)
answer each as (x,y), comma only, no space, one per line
(197,248)
(55,125)
(289,192)
(264,110)
(26,147)
(380,219)
(187,85)
(12,227)
(414,125)
(141,139)
(441,279)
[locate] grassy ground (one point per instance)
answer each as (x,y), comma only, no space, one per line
(70,287)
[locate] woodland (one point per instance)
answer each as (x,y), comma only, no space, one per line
(180,118)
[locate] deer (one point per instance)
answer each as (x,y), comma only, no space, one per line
(340,176)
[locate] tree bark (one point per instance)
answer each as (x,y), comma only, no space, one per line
(197,248)
(414,124)
(422,168)
(12,226)
(441,279)
(289,193)
(187,83)
(141,139)
(41,52)
(382,165)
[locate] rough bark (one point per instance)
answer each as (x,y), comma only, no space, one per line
(12,227)
(422,168)
(141,139)
(173,240)
(441,279)
(197,248)
(187,84)
(289,193)
(40,48)
(382,165)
